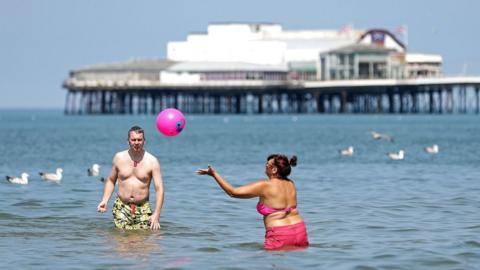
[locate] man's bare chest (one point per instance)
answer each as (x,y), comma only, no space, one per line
(140,171)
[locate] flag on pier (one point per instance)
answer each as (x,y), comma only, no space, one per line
(346,29)
(402,32)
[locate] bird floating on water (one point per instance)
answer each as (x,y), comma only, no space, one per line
(23,180)
(397,156)
(380,136)
(94,170)
(432,149)
(52,176)
(346,152)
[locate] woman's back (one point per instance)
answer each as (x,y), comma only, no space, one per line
(279,203)
(280,193)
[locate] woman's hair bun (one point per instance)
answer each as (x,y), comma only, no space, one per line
(293,161)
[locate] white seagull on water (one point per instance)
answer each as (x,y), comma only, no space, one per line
(52,176)
(432,149)
(94,170)
(23,180)
(380,136)
(346,152)
(397,156)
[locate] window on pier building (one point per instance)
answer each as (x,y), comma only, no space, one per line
(364,70)
(379,70)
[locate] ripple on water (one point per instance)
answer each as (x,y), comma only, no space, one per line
(81,190)
(467,255)
(67,205)
(438,261)
(192,234)
(29,204)
(386,256)
(26,234)
(472,243)
(317,245)
(364,267)
(208,249)
(376,227)
(245,246)
(8,216)
(405,230)
(459,201)
(335,246)
(473,227)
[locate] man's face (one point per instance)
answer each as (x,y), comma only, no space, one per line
(136,141)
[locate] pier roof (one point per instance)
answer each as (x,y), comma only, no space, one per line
(423,58)
(130,65)
(225,66)
(362,48)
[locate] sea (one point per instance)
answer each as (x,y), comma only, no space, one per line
(362,212)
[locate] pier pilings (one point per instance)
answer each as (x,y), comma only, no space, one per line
(426,99)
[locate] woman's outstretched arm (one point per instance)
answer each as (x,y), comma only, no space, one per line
(251,190)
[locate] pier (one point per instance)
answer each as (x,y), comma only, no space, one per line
(255,68)
(443,95)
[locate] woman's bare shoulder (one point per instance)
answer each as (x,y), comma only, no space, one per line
(262,183)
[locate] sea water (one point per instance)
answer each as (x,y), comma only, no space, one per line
(362,212)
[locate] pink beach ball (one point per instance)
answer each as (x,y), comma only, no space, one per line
(170,122)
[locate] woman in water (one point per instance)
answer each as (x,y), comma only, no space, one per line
(277,203)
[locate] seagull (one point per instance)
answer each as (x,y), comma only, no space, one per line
(397,156)
(23,180)
(94,170)
(380,136)
(432,149)
(346,152)
(52,176)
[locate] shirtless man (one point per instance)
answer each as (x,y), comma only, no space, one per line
(134,168)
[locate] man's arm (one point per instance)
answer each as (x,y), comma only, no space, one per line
(109,187)
(159,192)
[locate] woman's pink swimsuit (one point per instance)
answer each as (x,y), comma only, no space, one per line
(288,236)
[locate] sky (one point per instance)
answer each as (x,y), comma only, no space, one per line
(41,40)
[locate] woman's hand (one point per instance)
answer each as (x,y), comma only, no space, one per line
(209,171)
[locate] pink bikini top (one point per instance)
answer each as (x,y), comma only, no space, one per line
(262,209)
